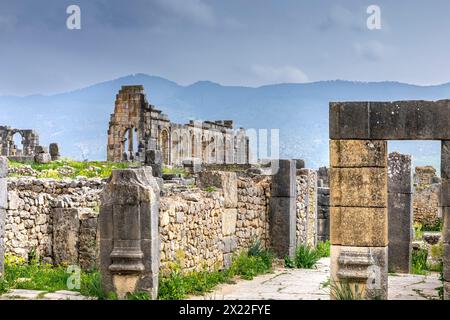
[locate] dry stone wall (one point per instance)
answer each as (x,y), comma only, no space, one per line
(33,205)
(426,197)
(57,220)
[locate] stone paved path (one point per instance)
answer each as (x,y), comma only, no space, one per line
(302,284)
(283,284)
(20,294)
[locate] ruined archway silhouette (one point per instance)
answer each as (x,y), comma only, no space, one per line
(358,184)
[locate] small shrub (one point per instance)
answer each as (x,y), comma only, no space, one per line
(418,231)
(323,249)
(305,257)
(419,261)
(344,291)
(436,227)
(210,189)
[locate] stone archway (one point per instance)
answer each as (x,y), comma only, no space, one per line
(358,184)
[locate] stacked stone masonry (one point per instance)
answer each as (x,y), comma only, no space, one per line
(198,228)
(137,126)
(33,205)
(426,197)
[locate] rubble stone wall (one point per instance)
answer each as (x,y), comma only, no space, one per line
(32,204)
(200,227)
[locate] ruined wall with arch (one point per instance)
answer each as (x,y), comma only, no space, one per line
(137,126)
(18,142)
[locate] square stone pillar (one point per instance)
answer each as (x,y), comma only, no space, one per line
(282,212)
(445,203)
(3,207)
(323,214)
(358,216)
(129,233)
(400,212)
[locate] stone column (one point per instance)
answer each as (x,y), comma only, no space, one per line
(323,214)
(400,212)
(3,207)
(282,212)
(358,216)
(129,234)
(445,203)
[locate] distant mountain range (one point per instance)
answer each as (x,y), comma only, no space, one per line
(78,120)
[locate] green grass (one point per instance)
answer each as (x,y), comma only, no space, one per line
(436,227)
(306,257)
(37,275)
(176,285)
(177,171)
(419,261)
(323,248)
(418,231)
(344,291)
(89,169)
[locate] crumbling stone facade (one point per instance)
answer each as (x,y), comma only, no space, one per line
(137,126)
(29,148)
(426,198)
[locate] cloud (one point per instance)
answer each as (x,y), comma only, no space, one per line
(193,10)
(372,50)
(283,74)
(340,17)
(7,23)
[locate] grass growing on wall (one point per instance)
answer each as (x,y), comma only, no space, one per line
(67,168)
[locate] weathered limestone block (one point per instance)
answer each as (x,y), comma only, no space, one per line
(283,181)
(358,187)
(229,219)
(358,153)
(66,226)
(43,158)
(446,260)
(446,224)
(399,173)
(3,207)
(446,290)
(54,151)
(227,181)
(88,246)
(400,217)
(129,233)
(359,226)
(365,269)
(400,255)
(282,219)
(398,120)
(153,158)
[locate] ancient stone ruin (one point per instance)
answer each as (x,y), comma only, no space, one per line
(28,149)
(359,184)
(400,213)
(137,126)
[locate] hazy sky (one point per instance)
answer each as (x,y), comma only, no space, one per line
(233,42)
